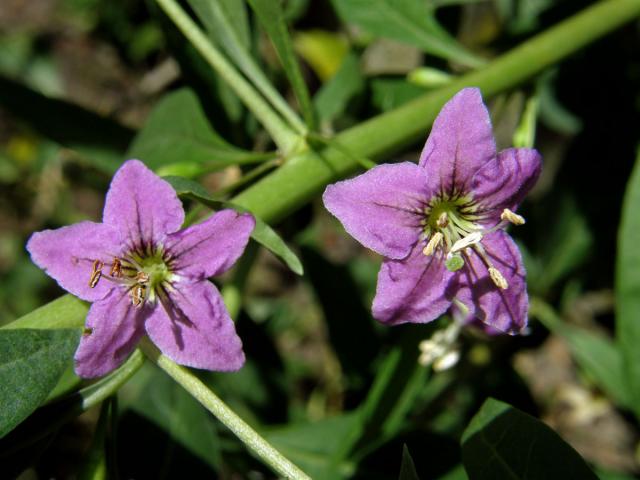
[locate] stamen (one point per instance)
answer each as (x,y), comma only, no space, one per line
(434,242)
(498,278)
(443,220)
(511,217)
(138,295)
(464,242)
(116,268)
(96,273)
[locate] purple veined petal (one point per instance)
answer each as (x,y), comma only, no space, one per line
(504,182)
(382,208)
(141,205)
(193,328)
(460,143)
(68,254)
(211,247)
(504,310)
(412,289)
(115,326)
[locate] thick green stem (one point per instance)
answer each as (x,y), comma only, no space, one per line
(281,134)
(222,412)
(303,176)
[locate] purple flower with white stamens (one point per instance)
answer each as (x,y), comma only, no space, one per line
(145,275)
(440,224)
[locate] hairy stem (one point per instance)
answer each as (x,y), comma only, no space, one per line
(258,445)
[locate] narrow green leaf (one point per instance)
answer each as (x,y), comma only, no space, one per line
(262,233)
(332,99)
(64,312)
(409,21)
(628,286)
(31,362)
(271,17)
(504,442)
(178,137)
(599,357)
(407,468)
(226,23)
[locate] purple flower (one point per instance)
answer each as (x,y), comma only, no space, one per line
(144,275)
(440,224)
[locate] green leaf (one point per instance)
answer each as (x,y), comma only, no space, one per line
(226,23)
(262,233)
(271,17)
(409,21)
(332,99)
(503,442)
(597,356)
(312,446)
(628,286)
(64,312)
(178,137)
(407,468)
(159,399)
(390,93)
(31,362)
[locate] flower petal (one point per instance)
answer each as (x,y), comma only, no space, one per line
(460,143)
(211,247)
(504,310)
(382,208)
(115,326)
(141,205)
(504,182)
(67,255)
(413,289)
(193,328)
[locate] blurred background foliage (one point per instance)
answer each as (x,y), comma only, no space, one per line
(85,84)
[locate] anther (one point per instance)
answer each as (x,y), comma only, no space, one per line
(116,268)
(511,217)
(443,220)
(138,294)
(434,242)
(96,273)
(498,278)
(464,242)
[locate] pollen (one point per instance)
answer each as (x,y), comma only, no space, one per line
(498,278)
(96,273)
(511,217)
(434,242)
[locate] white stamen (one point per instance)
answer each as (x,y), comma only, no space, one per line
(434,242)
(498,278)
(464,242)
(511,217)
(446,361)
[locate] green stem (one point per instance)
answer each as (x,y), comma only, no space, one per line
(222,412)
(282,135)
(305,175)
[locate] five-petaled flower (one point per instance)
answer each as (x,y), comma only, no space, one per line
(145,275)
(440,224)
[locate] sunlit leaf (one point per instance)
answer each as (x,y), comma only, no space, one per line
(262,233)
(178,135)
(409,21)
